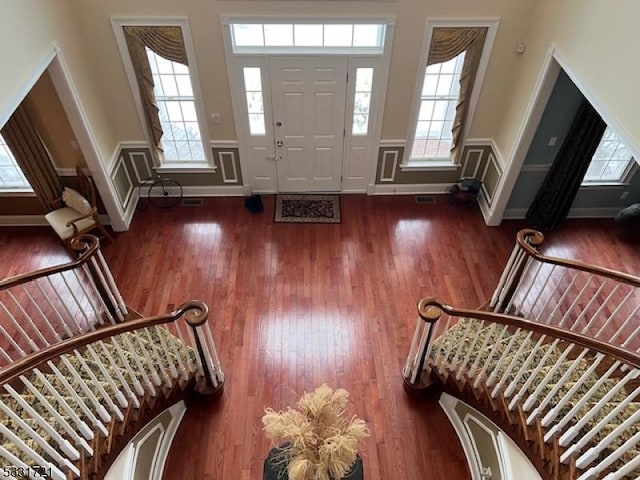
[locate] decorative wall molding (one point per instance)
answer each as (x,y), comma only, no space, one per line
(228,166)
(66,172)
(465,162)
(386,156)
(392,143)
(410,189)
(141,166)
(223,144)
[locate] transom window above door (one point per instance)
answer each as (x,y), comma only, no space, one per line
(299,37)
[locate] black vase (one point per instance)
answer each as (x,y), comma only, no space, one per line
(275,469)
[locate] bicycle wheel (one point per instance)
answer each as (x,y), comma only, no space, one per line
(164,193)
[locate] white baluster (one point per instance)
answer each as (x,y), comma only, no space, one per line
(112,283)
(571,433)
(532,282)
(12,342)
(517,290)
(97,384)
(570,310)
(492,353)
(505,353)
(462,342)
(124,384)
(63,405)
(171,344)
(160,357)
(523,368)
(413,353)
(36,458)
(95,308)
(66,447)
(503,277)
(165,351)
(626,471)
(437,357)
(51,410)
(490,333)
(61,321)
(87,318)
(565,294)
(583,401)
(185,342)
(136,359)
(136,338)
(559,406)
(90,395)
(517,357)
(219,374)
(596,316)
(560,363)
(25,335)
(44,318)
(471,349)
(119,396)
(192,341)
(79,401)
(586,459)
(525,387)
(127,366)
(70,316)
(619,331)
(105,285)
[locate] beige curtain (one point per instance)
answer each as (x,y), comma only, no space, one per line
(32,157)
(166,42)
(448,43)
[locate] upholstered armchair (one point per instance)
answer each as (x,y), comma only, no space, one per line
(75,213)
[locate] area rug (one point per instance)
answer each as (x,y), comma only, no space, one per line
(307,209)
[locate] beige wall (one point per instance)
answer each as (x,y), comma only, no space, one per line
(29,29)
(599,41)
(50,120)
(204,20)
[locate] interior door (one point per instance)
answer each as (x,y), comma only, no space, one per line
(308,102)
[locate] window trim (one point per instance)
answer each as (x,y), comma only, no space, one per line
(117,23)
(492,27)
(625,177)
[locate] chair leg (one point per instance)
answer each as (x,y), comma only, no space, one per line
(105,233)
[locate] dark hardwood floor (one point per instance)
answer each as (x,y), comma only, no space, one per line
(294,306)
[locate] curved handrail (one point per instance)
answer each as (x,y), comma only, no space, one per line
(425,309)
(194,311)
(87,244)
(529,239)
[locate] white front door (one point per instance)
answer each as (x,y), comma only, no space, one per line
(308,100)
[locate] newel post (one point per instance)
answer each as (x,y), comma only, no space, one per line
(196,318)
(416,373)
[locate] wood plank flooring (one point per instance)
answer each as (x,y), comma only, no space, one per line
(294,306)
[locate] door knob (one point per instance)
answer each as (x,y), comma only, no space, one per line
(278,124)
(279,143)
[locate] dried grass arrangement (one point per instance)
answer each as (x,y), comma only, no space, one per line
(322,442)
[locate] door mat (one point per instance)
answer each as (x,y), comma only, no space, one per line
(307,209)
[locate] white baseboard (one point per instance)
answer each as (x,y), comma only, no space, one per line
(485,209)
(410,189)
(215,191)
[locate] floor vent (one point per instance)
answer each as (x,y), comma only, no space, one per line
(191,202)
(425,199)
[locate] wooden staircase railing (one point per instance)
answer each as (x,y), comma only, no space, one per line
(63,406)
(554,359)
(575,399)
(41,308)
(78,370)
(594,301)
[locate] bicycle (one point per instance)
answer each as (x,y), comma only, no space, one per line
(162,192)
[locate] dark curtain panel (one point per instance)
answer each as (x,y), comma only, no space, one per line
(32,157)
(560,187)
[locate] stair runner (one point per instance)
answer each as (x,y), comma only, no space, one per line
(484,344)
(137,349)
